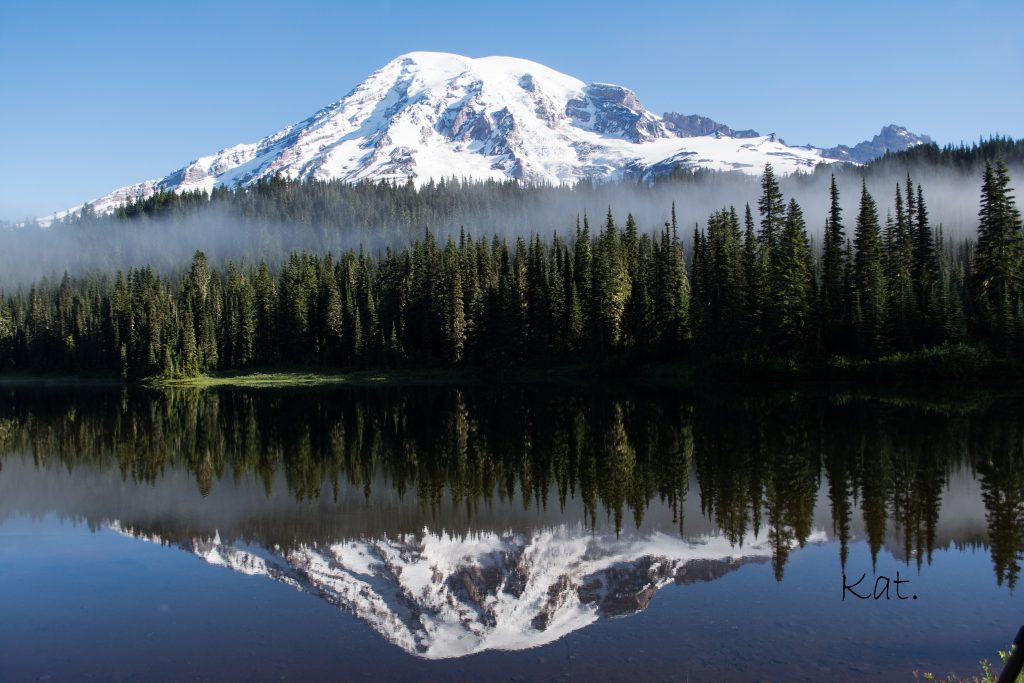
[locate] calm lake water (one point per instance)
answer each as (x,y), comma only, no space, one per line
(514,533)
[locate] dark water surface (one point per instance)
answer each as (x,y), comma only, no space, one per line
(509,533)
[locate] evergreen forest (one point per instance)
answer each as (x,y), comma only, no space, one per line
(748,284)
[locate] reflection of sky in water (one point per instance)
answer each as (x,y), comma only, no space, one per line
(364,581)
(80,603)
(243,506)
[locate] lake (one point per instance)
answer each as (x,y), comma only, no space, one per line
(507,533)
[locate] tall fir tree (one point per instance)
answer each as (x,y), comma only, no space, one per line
(927,276)
(610,288)
(789,314)
(833,304)
(999,260)
(899,258)
(583,268)
(751,282)
(454,335)
(772,207)
(869,277)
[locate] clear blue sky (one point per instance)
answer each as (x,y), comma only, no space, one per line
(99,94)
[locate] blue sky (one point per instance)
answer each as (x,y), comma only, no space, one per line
(99,94)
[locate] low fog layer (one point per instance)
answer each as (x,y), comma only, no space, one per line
(27,254)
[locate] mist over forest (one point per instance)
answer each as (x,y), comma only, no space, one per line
(274,218)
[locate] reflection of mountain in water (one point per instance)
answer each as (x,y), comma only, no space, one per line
(439,596)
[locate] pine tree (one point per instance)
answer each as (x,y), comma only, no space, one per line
(293,309)
(902,303)
(698,313)
(630,247)
(369,315)
(773,211)
(8,329)
(672,291)
(833,304)
(869,280)
(201,282)
(472,293)
(852,321)
(575,319)
(610,289)
(681,326)
(772,208)
(583,261)
(454,313)
(639,313)
(722,270)
(519,308)
(265,292)
(791,284)
(999,258)
(927,276)
(557,297)
(538,297)
(188,365)
(751,278)
(238,336)
(332,313)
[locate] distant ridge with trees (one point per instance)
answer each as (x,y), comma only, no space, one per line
(752,287)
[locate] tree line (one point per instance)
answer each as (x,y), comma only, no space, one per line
(743,285)
(456,455)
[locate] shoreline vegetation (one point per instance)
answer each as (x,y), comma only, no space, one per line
(950,365)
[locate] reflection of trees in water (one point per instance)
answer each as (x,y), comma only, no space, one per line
(999,462)
(894,462)
(758,463)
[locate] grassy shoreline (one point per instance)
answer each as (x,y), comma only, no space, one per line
(942,366)
(299,377)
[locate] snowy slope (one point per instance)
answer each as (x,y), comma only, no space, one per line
(438,596)
(433,115)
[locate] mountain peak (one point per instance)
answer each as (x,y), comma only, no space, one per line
(435,60)
(432,115)
(447,67)
(892,138)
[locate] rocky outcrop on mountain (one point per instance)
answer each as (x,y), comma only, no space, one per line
(892,138)
(615,111)
(695,125)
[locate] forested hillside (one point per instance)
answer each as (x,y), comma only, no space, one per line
(751,283)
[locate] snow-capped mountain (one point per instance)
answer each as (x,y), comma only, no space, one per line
(439,596)
(429,115)
(891,138)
